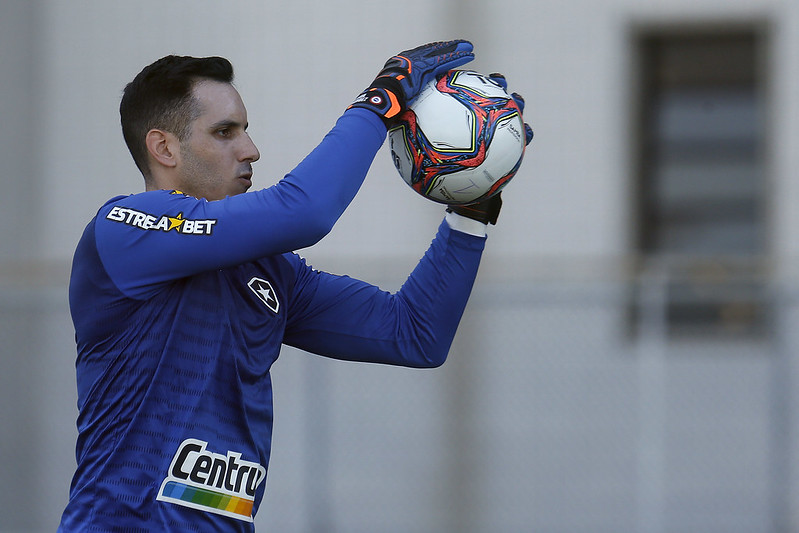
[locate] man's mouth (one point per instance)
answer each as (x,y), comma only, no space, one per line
(246,178)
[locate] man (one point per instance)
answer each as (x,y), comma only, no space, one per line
(182,295)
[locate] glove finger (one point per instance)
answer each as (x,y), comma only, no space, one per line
(437,48)
(519,101)
(499,79)
(452,61)
(528,133)
(462,45)
(445,47)
(398,63)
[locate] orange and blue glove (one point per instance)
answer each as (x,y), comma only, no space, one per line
(405,75)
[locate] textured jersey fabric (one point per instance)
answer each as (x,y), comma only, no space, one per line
(180,308)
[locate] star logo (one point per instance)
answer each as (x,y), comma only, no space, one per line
(176,222)
(264,291)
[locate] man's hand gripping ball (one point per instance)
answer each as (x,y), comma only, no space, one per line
(404,75)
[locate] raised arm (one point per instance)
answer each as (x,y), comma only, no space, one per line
(344,318)
(154,237)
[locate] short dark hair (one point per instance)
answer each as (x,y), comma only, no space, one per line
(160,97)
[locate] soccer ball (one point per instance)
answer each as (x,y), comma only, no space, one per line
(460,141)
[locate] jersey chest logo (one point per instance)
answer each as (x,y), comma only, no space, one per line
(264,291)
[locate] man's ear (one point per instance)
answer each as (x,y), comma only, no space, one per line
(164,147)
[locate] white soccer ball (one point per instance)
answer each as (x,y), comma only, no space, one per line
(460,141)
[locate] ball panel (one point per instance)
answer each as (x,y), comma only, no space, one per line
(447,123)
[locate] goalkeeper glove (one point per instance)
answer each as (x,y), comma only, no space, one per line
(405,75)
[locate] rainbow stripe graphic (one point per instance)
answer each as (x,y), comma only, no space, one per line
(207,500)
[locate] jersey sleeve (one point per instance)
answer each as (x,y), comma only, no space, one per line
(344,318)
(147,239)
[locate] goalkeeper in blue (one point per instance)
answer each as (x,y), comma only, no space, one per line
(182,295)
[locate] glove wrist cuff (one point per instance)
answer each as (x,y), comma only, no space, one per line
(383,97)
(486,211)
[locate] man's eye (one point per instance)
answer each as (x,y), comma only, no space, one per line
(224,132)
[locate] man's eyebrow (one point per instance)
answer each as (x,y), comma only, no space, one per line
(229,124)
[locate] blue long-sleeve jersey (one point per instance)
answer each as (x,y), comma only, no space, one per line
(180,307)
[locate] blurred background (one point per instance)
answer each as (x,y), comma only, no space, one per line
(629,359)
